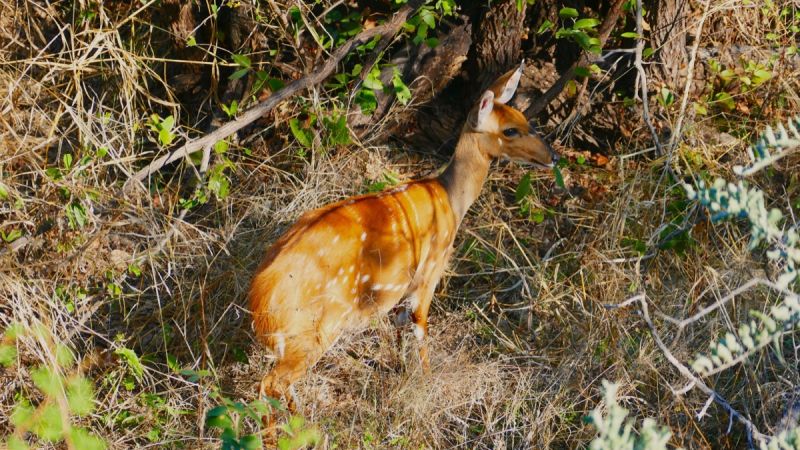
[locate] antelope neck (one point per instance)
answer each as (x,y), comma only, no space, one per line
(465,174)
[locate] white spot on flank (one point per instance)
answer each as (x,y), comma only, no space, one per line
(419,332)
(280,344)
(318,286)
(328,284)
(389,287)
(413,302)
(377,287)
(335,239)
(353,291)
(365,278)
(340,272)
(394,226)
(363,236)
(399,287)
(351,269)
(321,252)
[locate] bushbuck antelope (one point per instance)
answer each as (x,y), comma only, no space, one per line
(340,264)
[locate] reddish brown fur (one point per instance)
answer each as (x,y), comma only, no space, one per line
(341,264)
(313,282)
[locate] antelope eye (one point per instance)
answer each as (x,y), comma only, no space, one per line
(511,132)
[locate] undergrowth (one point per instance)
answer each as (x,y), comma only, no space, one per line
(123,309)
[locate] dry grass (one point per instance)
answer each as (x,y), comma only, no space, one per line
(521,335)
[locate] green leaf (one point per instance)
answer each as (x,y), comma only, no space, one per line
(12,235)
(700,109)
(559,177)
(760,76)
(275,84)
(54,173)
(238,74)
(427,17)
(567,13)
(401,91)
(3,192)
(250,442)
(67,160)
(172,363)
(648,52)
(338,133)
(242,60)
(523,188)
(366,99)
(47,381)
(132,360)
(372,80)
(630,35)
(582,72)
(8,354)
(545,26)
(219,185)
(222,421)
(216,411)
(724,100)
(81,439)
(80,395)
(134,270)
(191,41)
(221,147)
(76,215)
(164,127)
(585,23)
(302,135)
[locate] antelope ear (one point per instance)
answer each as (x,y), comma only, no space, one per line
(506,85)
(483,111)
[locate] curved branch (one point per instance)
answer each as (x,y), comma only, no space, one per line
(317,76)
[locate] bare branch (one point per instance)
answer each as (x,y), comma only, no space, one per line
(316,77)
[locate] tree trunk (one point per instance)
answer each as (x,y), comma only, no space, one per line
(497,39)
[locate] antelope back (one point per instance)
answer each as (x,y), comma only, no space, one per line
(340,264)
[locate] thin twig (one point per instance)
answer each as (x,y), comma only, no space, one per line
(312,79)
(604,32)
(751,429)
(643,78)
(689,78)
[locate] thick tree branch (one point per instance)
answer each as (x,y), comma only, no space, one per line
(317,76)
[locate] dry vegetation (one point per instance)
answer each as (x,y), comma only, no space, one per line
(522,328)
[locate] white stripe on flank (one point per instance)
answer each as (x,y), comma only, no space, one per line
(280,344)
